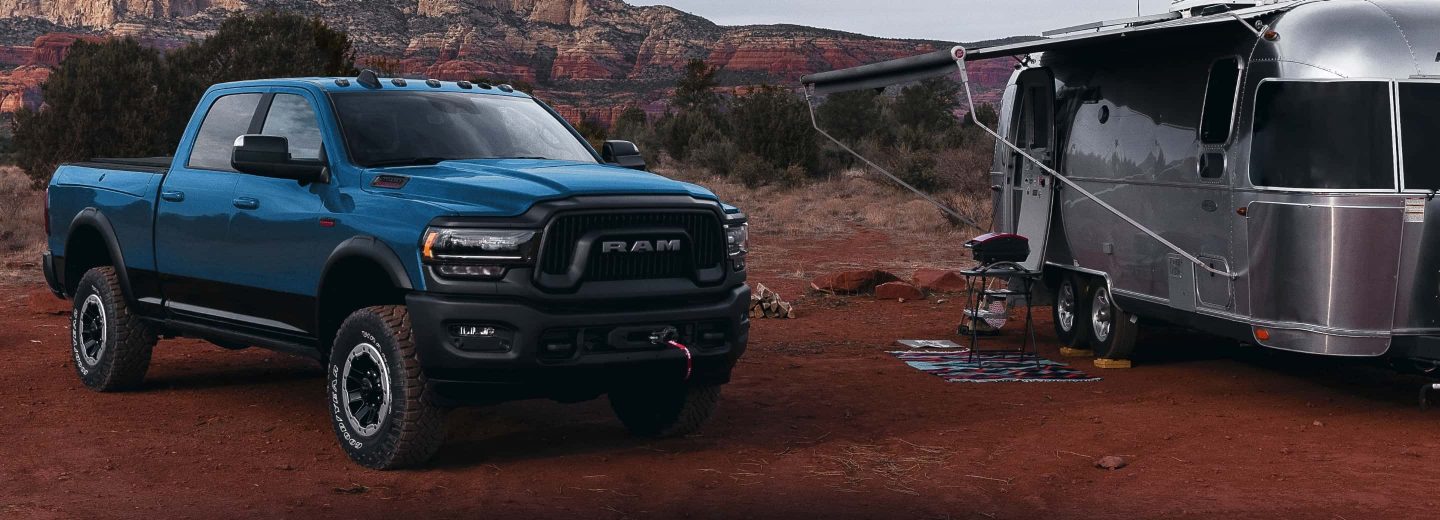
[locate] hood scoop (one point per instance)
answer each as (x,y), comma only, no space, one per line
(387,181)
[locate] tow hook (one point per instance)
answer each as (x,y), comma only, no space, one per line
(668,336)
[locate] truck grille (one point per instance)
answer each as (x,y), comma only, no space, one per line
(705,248)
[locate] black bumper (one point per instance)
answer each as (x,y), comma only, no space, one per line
(573,353)
(47,262)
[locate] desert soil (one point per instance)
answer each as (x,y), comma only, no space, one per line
(818,423)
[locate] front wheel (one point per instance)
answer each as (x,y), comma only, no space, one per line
(1112,330)
(664,411)
(381,405)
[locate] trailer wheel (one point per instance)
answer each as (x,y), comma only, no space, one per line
(1112,330)
(1070,312)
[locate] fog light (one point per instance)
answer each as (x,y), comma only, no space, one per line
(472,331)
(471,271)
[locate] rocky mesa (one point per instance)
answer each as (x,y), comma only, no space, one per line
(590,58)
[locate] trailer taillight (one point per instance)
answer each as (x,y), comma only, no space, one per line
(1262,334)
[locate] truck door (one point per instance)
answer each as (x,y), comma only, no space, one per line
(286,231)
(1031,188)
(193,213)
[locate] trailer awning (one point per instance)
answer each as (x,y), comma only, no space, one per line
(942,63)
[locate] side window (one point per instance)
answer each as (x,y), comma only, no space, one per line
(292,117)
(1324,135)
(229,117)
(1219,114)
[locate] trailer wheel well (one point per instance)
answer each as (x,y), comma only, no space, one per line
(352,284)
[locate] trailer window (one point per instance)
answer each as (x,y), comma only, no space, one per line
(1323,135)
(1220,95)
(1420,131)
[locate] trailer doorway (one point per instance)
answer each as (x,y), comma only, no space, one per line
(1029,189)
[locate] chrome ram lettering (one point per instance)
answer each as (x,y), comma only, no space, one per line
(641,246)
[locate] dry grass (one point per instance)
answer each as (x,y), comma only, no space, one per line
(896,468)
(22,213)
(839,205)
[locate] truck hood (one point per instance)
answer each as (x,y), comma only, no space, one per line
(508,187)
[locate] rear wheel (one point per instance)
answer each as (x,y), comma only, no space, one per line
(1112,330)
(381,405)
(1071,325)
(664,411)
(111,346)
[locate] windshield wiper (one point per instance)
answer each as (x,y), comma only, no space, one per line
(409,161)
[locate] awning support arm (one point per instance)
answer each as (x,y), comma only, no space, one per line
(959,54)
(814,121)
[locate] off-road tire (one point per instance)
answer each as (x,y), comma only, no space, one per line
(124,350)
(413,429)
(660,411)
(1118,340)
(1078,335)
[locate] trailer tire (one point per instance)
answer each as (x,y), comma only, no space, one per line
(660,412)
(382,407)
(1070,312)
(111,346)
(1112,331)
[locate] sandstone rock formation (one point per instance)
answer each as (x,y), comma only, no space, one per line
(588,57)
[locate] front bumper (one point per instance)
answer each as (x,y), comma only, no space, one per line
(572,352)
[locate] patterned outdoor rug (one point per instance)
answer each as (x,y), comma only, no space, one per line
(988,367)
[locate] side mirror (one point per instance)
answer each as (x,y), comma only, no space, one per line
(269,156)
(623,154)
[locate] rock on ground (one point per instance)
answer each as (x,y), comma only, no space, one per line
(852,282)
(898,291)
(940,281)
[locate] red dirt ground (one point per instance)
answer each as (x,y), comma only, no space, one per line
(819,422)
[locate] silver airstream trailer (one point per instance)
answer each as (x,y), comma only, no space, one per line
(1260,170)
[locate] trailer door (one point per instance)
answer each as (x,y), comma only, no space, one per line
(1030,188)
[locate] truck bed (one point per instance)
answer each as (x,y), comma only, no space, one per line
(134,164)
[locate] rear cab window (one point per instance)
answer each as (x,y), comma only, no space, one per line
(1323,136)
(229,117)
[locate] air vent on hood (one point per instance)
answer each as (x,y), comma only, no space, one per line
(393,182)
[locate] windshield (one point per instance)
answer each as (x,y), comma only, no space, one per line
(412,128)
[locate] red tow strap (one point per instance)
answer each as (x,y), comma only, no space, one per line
(689,361)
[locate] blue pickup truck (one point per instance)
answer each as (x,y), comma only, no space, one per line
(433,244)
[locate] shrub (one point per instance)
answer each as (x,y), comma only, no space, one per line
(592,131)
(675,132)
(774,124)
(149,96)
(22,215)
(136,114)
(713,152)
(752,171)
(917,168)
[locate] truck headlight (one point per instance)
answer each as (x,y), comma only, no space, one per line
(737,239)
(477,253)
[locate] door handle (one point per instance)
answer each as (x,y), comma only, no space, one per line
(247,203)
(173,196)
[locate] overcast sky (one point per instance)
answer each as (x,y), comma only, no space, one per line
(950,20)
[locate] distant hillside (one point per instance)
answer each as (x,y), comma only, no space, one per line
(590,58)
